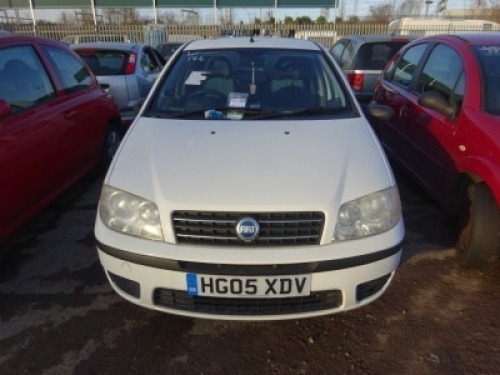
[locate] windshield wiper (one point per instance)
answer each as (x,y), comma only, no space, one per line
(302,112)
(224,111)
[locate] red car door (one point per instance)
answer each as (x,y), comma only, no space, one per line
(429,132)
(395,91)
(84,131)
(29,135)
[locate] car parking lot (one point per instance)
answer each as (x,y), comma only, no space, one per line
(59,314)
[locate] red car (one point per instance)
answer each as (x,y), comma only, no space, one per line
(56,123)
(445,92)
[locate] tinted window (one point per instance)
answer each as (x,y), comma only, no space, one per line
(489,61)
(255,80)
(406,65)
(168,49)
(70,70)
(374,56)
(105,62)
(348,55)
(24,82)
(337,50)
(441,72)
(149,63)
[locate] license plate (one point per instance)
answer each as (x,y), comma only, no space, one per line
(248,286)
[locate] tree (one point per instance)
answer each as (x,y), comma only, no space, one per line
(169,18)
(409,8)
(289,20)
(321,20)
(304,20)
(117,16)
(66,18)
(381,13)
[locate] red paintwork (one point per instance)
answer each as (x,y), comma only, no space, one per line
(46,149)
(433,148)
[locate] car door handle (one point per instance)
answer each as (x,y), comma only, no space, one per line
(404,111)
(70,115)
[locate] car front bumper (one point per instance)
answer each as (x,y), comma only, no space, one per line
(336,285)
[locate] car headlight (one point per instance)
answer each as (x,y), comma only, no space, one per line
(129,214)
(372,214)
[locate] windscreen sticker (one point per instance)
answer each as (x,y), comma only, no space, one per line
(195,57)
(490,50)
(196,78)
(237,100)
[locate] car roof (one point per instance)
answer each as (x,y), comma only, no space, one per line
(17,39)
(171,44)
(249,42)
(122,46)
(480,38)
(473,39)
(380,37)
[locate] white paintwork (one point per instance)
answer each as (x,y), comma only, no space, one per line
(210,165)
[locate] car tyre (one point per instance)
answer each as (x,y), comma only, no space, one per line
(112,140)
(479,234)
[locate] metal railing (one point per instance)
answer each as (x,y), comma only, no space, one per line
(155,34)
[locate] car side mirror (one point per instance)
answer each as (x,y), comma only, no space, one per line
(105,87)
(379,112)
(434,100)
(4,108)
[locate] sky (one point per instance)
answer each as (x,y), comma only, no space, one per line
(247,15)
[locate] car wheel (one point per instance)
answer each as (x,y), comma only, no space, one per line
(112,139)
(479,229)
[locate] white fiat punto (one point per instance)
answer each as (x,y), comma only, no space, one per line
(250,186)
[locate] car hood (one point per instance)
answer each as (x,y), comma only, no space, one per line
(250,165)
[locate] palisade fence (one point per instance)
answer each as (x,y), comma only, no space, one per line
(156,34)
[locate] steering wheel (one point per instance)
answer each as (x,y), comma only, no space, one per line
(206,98)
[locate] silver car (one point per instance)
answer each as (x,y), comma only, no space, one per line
(362,58)
(129,69)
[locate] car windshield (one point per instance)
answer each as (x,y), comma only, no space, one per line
(489,60)
(250,83)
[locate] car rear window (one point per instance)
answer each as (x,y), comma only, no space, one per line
(105,62)
(489,60)
(374,56)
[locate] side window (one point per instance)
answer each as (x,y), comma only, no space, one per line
(70,70)
(24,82)
(348,55)
(160,58)
(441,72)
(149,63)
(146,63)
(457,96)
(389,71)
(406,65)
(337,51)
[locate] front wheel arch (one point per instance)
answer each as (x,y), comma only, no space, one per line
(478,243)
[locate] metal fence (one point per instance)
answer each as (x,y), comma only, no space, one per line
(155,34)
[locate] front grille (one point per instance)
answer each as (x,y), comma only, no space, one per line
(276,228)
(180,300)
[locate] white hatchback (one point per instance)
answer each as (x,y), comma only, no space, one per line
(250,186)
